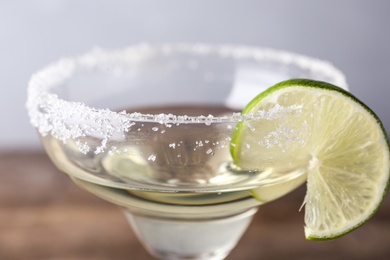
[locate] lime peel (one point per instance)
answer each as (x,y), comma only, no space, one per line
(343,148)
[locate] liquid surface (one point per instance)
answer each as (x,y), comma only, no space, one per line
(160,158)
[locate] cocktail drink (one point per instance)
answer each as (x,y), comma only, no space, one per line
(150,129)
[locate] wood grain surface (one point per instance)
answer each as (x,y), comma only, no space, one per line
(43,215)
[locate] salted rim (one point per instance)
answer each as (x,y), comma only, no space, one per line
(67,119)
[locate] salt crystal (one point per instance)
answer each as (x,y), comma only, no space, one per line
(152,157)
(65,120)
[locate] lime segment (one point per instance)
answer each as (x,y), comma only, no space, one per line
(334,137)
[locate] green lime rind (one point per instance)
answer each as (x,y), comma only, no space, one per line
(237,135)
(345,232)
(295,83)
(281,85)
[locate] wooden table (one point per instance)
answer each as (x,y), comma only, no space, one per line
(43,215)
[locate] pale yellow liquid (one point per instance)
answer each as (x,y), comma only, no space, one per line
(184,200)
(192,163)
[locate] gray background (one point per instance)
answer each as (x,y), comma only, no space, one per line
(353,34)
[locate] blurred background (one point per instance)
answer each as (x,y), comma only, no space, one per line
(352,34)
(43,215)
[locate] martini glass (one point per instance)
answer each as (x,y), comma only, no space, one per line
(148,128)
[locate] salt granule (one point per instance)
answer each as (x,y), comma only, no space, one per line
(65,120)
(152,157)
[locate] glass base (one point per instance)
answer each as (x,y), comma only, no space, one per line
(167,238)
(167,231)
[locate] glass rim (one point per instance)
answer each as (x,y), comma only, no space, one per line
(51,114)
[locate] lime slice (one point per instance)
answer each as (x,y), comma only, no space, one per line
(338,141)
